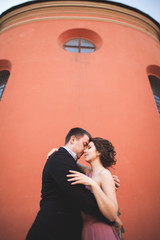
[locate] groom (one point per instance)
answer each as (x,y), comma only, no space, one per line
(59,217)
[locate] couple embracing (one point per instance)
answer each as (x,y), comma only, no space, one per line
(78,202)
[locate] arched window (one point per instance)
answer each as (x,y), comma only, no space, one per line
(79,45)
(4,75)
(155,85)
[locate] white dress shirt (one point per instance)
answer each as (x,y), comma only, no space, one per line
(71,153)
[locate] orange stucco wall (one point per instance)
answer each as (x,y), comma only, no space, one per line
(106,92)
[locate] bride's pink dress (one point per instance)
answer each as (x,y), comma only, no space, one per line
(94,229)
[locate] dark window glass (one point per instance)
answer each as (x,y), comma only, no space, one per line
(79,45)
(155,85)
(4,75)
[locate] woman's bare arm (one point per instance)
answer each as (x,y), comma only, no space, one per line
(105,195)
(83,168)
(52,151)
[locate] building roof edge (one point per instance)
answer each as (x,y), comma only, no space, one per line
(100,1)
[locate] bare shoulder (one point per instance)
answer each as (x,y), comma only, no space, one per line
(106,175)
(105,172)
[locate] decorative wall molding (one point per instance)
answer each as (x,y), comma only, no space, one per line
(93,11)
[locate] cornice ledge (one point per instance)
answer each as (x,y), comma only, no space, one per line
(79,10)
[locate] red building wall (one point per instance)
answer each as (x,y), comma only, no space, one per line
(106,92)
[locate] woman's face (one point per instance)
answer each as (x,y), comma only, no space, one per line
(91,152)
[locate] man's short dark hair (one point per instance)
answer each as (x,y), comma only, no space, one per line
(77,132)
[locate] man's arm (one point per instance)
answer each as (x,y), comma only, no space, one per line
(60,164)
(86,169)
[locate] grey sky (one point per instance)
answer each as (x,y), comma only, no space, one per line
(150,7)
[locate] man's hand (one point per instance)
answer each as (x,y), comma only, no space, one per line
(118,224)
(116,181)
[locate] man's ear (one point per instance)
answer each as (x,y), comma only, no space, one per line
(72,139)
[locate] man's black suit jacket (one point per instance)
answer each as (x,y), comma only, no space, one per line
(59,217)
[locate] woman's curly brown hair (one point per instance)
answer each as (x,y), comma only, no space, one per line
(106,150)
